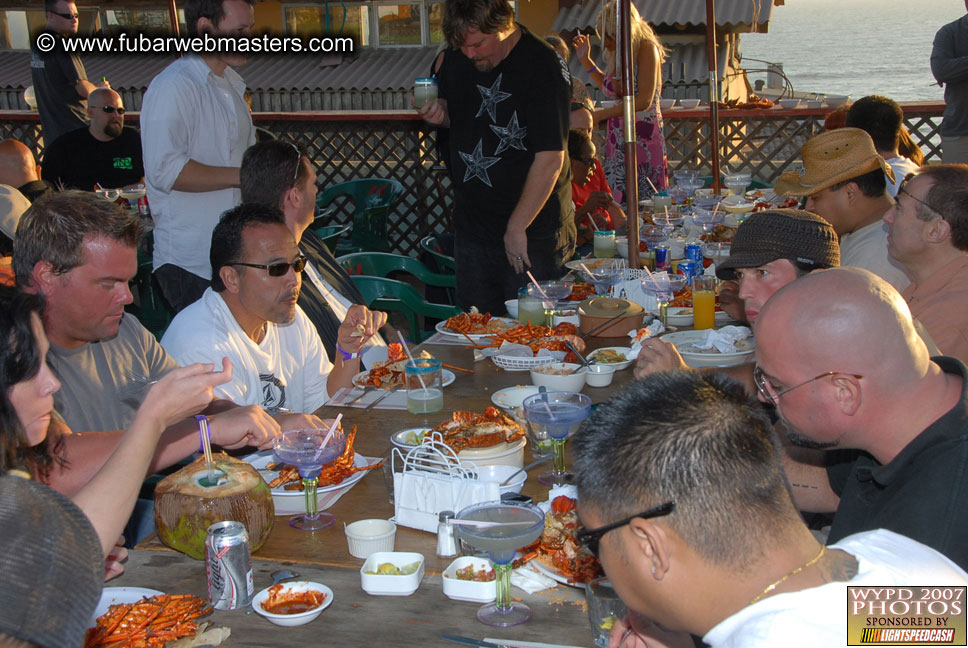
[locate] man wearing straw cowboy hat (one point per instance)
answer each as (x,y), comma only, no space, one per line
(249,314)
(844,180)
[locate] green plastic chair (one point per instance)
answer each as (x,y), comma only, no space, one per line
(372,199)
(331,235)
(384,264)
(149,306)
(389,294)
(430,245)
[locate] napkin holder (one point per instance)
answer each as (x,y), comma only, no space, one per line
(430,479)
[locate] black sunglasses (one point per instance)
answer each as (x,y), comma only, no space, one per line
(589,538)
(276,269)
(66,16)
(112,109)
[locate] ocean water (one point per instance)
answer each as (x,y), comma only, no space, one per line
(855,47)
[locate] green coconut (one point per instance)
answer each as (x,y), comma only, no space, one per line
(185,506)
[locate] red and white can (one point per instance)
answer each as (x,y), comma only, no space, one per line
(228,565)
(143,208)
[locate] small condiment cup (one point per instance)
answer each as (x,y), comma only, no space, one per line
(599,375)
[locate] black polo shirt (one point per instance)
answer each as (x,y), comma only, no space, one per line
(922,493)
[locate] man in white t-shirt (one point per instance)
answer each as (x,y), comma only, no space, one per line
(693,524)
(882,119)
(249,315)
(845,182)
(195,126)
(280,174)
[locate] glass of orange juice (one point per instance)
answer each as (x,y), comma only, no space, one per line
(704,302)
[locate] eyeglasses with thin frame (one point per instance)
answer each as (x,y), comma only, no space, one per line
(66,16)
(276,269)
(295,175)
(902,189)
(112,109)
(771,393)
(590,538)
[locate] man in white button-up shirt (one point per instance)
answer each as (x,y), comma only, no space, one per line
(195,126)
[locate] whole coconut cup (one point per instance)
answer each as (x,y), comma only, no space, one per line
(185,507)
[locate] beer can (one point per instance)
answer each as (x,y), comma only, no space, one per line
(662,261)
(143,208)
(688,268)
(693,251)
(228,565)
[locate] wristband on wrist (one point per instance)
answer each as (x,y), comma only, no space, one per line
(346,355)
(203,432)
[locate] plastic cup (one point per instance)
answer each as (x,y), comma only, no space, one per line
(604,609)
(604,244)
(424,91)
(425,394)
(531,311)
(704,302)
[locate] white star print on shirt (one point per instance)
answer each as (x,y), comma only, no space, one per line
(491,97)
(477,164)
(512,136)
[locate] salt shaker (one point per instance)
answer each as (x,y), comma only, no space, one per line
(446,540)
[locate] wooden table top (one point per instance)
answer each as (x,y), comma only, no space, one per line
(369,497)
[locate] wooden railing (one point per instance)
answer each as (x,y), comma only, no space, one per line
(346,146)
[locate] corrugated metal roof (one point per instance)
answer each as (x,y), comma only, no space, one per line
(736,14)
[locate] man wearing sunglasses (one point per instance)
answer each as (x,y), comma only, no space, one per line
(250,316)
(928,235)
(840,358)
(60,81)
(845,182)
(106,153)
(685,504)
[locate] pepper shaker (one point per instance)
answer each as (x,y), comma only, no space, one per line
(446,539)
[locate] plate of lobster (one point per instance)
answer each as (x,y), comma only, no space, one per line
(476,326)
(557,553)
(388,374)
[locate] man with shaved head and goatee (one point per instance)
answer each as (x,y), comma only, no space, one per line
(839,357)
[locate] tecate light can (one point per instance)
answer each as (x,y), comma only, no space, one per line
(661,257)
(143,208)
(228,565)
(687,268)
(694,251)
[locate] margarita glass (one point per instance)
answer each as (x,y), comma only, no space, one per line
(305,450)
(663,285)
(554,291)
(708,219)
(557,411)
(604,275)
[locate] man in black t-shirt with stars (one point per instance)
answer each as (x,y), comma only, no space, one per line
(504,96)
(105,153)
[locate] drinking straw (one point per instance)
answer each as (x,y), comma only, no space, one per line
(206,439)
(649,180)
(332,429)
(538,286)
(406,350)
(594,222)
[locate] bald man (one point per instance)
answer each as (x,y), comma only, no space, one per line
(105,153)
(19,169)
(838,354)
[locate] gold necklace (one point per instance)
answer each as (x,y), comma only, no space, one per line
(796,571)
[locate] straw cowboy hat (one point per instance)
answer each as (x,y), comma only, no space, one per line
(832,157)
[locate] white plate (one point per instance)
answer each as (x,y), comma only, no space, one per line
(618,365)
(682,316)
(709,358)
(446,377)
(399,438)
(443,330)
(511,398)
(553,573)
(291,502)
(114,595)
(591,263)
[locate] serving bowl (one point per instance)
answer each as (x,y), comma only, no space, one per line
(688,103)
(836,101)
(387,585)
(299,618)
(466,590)
(564,381)
(365,537)
(789,102)
(498,473)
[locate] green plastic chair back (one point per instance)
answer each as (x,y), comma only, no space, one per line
(149,306)
(430,245)
(331,235)
(372,199)
(389,294)
(384,264)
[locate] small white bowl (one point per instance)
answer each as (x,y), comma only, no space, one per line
(512,307)
(666,104)
(464,590)
(379,585)
(300,618)
(836,101)
(814,103)
(689,103)
(618,366)
(789,103)
(600,375)
(570,383)
(365,537)
(498,473)
(622,246)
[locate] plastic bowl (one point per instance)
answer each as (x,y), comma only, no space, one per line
(569,383)
(789,103)
(380,585)
(512,307)
(622,246)
(464,590)
(689,103)
(498,473)
(666,104)
(300,618)
(836,101)
(600,375)
(365,537)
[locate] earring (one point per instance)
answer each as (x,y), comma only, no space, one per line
(653,570)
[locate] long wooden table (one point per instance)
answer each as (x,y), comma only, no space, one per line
(323,555)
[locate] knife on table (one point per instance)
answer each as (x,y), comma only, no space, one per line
(467,641)
(381,397)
